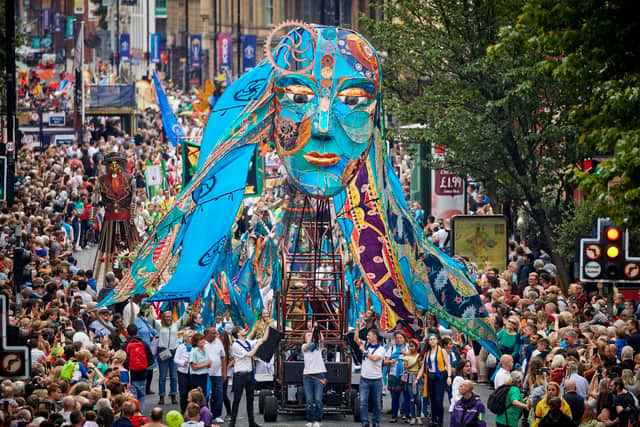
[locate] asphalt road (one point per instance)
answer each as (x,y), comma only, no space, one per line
(85,260)
(328,421)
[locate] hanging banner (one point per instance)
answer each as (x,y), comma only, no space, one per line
(125,46)
(447,190)
(161,8)
(71,23)
(249,42)
(155,48)
(46,19)
(57,21)
(35,43)
(78,7)
(195,51)
(225,51)
(46,42)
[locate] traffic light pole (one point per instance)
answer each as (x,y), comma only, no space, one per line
(12,123)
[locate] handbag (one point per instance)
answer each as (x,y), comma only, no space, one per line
(166,353)
(491,361)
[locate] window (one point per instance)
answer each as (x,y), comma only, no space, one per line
(250,13)
(345,12)
(268,12)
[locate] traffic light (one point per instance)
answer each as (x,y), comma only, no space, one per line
(3,178)
(604,257)
(612,243)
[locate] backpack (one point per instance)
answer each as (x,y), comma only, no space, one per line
(497,402)
(137,355)
(67,370)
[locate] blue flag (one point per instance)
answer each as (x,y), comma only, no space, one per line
(171,126)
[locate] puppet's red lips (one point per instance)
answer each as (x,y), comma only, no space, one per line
(322,159)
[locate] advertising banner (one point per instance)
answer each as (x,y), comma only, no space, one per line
(46,19)
(225,51)
(46,42)
(70,27)
(249,42)
(155,48)
(195,50)
(57,21)
(161,8)
(447,190)
(125,47)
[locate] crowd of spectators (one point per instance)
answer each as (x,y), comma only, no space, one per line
(566,353)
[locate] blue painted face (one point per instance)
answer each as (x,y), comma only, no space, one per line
(327,110)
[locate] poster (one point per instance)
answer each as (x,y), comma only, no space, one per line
(481,239)
(447,189)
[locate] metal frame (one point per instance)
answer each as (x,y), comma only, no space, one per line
(308,243)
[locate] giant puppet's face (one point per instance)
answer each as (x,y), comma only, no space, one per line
(326,106)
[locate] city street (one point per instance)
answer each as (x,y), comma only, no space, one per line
(333,420)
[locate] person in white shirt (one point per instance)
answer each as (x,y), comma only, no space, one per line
(370,375)
(314,379)
(130,312)
(506,365)
(168,340)
(181,361)
(242,352)
(217,371)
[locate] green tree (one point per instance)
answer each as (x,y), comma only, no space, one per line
(593,46)
(461,69)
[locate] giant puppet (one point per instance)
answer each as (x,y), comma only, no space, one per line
(317,95)
(118,233)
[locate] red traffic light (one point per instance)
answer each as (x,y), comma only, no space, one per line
(613,234)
